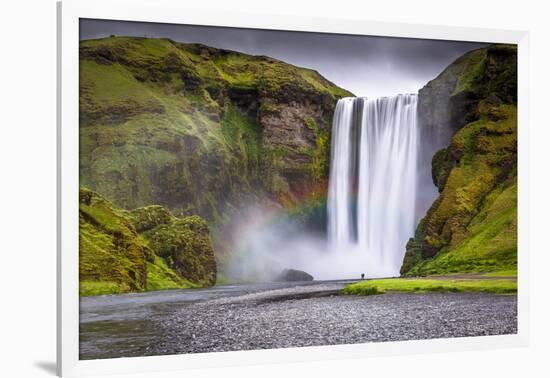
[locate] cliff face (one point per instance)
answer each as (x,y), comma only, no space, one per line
(449,102)
(143,249)
(472,225)
(198,129)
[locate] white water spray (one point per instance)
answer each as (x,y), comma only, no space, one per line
(372,184)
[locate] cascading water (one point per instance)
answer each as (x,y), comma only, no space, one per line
(372,184)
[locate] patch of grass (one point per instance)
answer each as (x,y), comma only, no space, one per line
(89,288)
(502,273)
(365,290)
(491,245)
(431,285)
(112,83)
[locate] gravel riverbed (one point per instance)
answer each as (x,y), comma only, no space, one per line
(283,316)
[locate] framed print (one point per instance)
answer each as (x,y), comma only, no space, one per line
(264,189)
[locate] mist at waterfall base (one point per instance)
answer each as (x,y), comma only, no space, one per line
(371,209)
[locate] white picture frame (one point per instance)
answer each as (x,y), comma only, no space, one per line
(172,11)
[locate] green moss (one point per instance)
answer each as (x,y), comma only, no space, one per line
(472,226)
(481,157)
(186,126)
(248,71)
(243,135)
(116,258)
(178,124)
(471,71)
(310,123)
(109,247)
(491,244)
(320,83)
(268,108)
(186,243)
(413,249)
(503,273)
(111,83)
(370,287)
(161,277)
(442,164)
(148,217)
(89,288)
(320,161)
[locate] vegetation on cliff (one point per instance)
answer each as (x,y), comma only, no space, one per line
(198,129)
(472,226)
(144,249)
(201,130)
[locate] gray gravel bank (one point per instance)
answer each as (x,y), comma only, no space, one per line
(295,316)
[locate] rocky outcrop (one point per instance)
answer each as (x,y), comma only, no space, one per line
(144,249)
(472,225)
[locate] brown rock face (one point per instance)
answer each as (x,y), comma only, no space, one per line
(293,134)
(287,127)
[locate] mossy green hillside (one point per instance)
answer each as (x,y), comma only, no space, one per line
(120,252)
(197,129)
(472,225)
(111,251)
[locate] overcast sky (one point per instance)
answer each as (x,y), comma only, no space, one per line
(366,66)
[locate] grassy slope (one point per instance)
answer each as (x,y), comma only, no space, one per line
(161,112)
(481,212)
(370,287)
(472,226)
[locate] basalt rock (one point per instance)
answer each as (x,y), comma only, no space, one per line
(291,275)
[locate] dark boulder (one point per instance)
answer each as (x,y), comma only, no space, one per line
(290,275)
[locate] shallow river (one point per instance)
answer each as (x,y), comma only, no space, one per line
(278,315)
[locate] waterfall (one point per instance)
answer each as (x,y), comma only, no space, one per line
(372,183)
